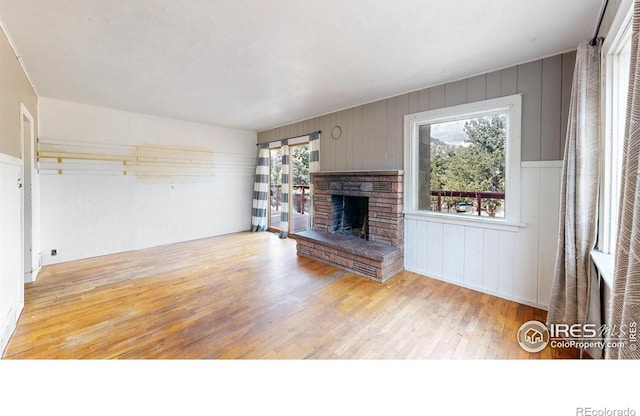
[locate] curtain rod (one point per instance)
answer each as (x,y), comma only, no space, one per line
(294,137)
(595,35)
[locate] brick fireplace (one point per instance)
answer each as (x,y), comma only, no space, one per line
(358,222)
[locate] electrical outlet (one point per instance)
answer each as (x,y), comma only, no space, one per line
(54,252)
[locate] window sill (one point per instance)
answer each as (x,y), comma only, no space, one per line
(489,223)
(605,264)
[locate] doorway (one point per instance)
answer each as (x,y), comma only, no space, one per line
(275,188)
(299,189)
(300,183)
(31,197)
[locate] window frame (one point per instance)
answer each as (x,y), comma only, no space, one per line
(512,106)
(619,34)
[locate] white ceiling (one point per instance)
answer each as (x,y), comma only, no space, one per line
(258,64)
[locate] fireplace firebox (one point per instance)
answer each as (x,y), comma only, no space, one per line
(349,215)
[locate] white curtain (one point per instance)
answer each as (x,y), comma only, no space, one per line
(284,194)
(625,301)
(575,296)
(261,191)
(314,166)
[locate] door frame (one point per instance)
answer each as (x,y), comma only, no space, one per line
(269,227)
(296,141)
(28,147)
(291,204)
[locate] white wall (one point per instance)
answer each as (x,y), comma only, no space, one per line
(516,265)
(87,214)
(11,272)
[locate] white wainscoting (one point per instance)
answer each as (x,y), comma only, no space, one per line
(514,264)
(11,246)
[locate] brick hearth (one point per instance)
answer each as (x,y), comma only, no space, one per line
(379,257)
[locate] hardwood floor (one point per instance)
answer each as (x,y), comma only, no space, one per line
(248,295)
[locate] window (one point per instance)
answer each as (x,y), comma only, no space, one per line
(617,51)
(464,161)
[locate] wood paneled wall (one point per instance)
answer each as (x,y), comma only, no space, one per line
(372,134)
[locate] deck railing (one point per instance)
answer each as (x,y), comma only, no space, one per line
(299,200)
(479,196)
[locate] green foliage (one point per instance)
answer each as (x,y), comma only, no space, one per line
(300,161)
(299,158)
(440,156)
(477,165)
(276,167)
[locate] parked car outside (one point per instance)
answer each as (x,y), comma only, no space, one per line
(464,207)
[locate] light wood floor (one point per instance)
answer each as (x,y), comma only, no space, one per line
(248,295)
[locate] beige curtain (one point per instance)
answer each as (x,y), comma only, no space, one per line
(625,302)
(575,296)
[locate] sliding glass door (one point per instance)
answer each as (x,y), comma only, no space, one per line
(300,199)
(300,184)
(275,188)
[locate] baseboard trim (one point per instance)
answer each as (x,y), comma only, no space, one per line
(482,290)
